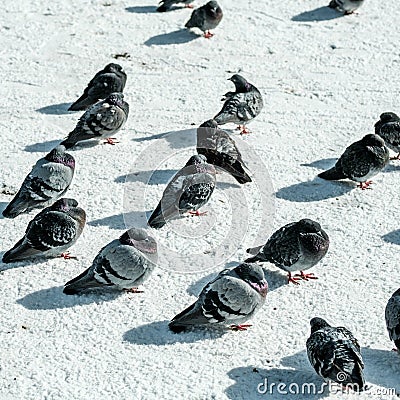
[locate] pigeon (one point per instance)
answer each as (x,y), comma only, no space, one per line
(48,181)
(388,128)
(50,233)
(165,5)
(242,106)
(233,297)
(361,161)
(205,18)
(100,121)
(123,264)
(335,355)
(109,80)
(220,150)
(297,246)
(392,314)
(346,6)
(189,190)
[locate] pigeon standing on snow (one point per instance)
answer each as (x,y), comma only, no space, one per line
(205,18)
(392,314)
(220,150)
(346,6)
(361,161)
(297,246)
(189,190)
(109,80)
(100,121)
(242,106)
(165,5)
(233,297)
(123,264)
(50,233)
(48,181)
(388,128)
(335,355)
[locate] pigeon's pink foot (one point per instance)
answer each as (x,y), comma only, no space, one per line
(67,256)
(396,158)
(306,277)
(111,141)
(133,290)
(243,129)
(189,6)
(198,213)
(293,279)
(208,35)
(239,327)
(365,185)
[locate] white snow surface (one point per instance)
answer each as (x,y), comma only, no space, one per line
(325,81)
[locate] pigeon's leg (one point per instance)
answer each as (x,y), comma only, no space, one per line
(67,256)
(306,277)
(133,290)
(198,213)
(243,129)
(189,6)
(239,327)
(396,158)
(293,279)
(208,35)
(365,185)
(111,141)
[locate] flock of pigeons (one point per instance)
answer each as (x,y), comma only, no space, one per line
(235,295)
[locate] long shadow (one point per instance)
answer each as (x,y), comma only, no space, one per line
(26,263)
(148,177)
(137,219)
(392,237)
(43,147)
(55,109)
(3,205)
(324,163)
(180,36)
(176,139)
(157,333)
(151,137)
(53,298)
(142,9)
(392,167)
(319,14)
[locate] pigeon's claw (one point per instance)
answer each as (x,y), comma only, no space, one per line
(189,6)
(111,140)
(208,35)
(198,213)
(133,290)
(365,185)
(243,129)
(67,256)
(396,158)
(306,277)
(237,328)
(293,279)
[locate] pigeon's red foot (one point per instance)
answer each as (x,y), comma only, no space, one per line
(189,6)
(133,290)
(208,35)
(197,213)
(293,279)
(239,327)
(396,158)
(365,185)
(306,277)
(111,141)
(67,256)
(243,130)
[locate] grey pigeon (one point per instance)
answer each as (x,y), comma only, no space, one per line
(165,5)
(220,150)
(361,161)
(233,297)
(109,80)
(241,106)
(100,121)
(346,6)
(205,18)
(388,128)
(392,314)
(189,190)
(335,355)
(123,264)
(297,246)
(50,233)
(48,181)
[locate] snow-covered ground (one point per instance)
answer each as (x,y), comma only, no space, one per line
(325,80)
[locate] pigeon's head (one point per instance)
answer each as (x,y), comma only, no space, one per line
(116,99)
(389,117)
(196,160)
(240,83)
(139,239)
(64,204)
(308,226)
(213,9)
(317,324)
(373,140)
(253,274)
(58,155)
(114,68)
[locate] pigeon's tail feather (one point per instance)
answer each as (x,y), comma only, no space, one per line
(81,104)
(156,219)
(240,174)
(162,8)
(19,252)
(17,206)
(68,143)
(190,24)
(176,328)
(333,174)
(73,138)
(353,379)
(254,252)
(178,324)
(82,282)
(397,344)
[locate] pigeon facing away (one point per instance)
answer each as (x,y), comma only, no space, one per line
(50,233)
(109,80)
(346,6)
(205,18)
(220,150)
(100,121)
(361,161)
(165,5)
(48,181)
(189,190)
(392,314)
(242,106)
(297,246)
(388,128)
(123,264)
(233,297)
(335,355)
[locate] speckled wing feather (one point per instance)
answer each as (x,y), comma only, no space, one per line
(390,133)
(392,315)
(197,18)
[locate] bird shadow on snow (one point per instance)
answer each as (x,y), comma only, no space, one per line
(3,206)
(126,220)
(141,9)
(392,168)
(318,14)
(157,333)
(324,163)
(180,36)
(392,237)
(156,177)
(43,147)
(176,139)
(55,109)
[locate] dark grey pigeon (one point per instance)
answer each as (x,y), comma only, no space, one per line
(232,298)
(123,264)
(109,80)
(335,355)
(189,190)
(241,106)
(388,128)
(165,5)
(297,246)
(392,314)
(48,181)
(220,150)
(50,233)
(360,162)
(346,6)
(100,121)
(205,18)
